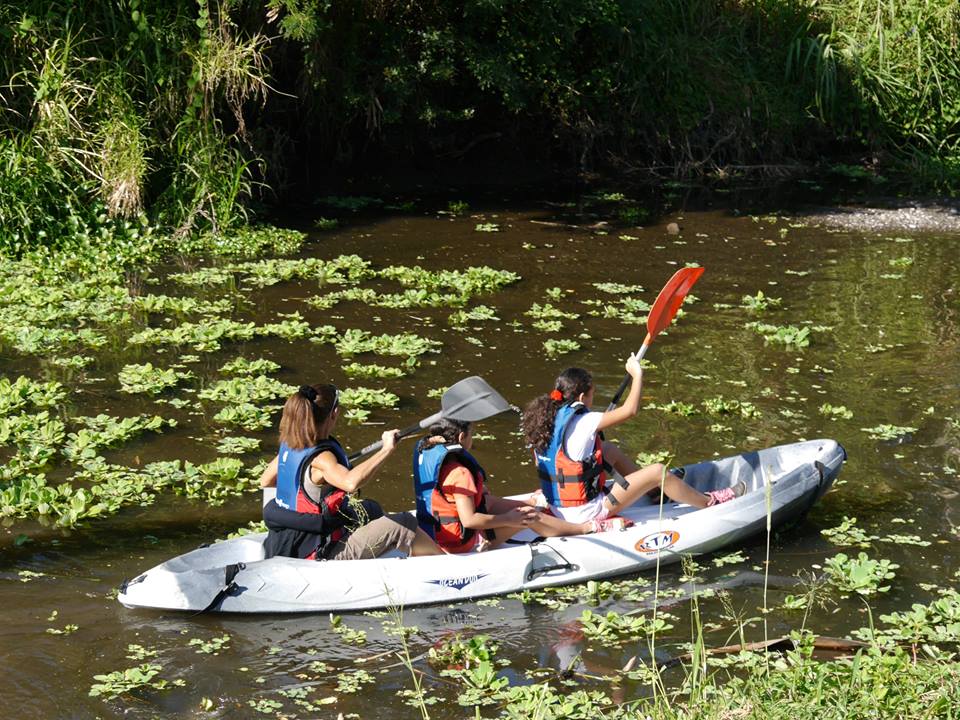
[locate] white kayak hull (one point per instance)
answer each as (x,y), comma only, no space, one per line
(787,479)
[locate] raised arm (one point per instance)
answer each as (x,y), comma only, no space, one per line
(632,404)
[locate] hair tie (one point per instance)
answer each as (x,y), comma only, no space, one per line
(556,395)
(308,392)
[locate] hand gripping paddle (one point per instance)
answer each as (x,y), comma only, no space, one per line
(469,400)
(662,313)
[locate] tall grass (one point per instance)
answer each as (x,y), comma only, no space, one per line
(888,73)
(113,109)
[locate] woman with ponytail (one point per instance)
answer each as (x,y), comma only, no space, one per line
(313,515)
(572,457)
(454,506)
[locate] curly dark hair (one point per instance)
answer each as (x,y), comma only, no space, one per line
(538,416)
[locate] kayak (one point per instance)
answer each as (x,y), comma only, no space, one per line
(233,576)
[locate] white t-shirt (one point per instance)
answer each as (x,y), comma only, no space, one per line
(580,435)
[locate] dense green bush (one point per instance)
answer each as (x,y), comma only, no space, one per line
(188,109)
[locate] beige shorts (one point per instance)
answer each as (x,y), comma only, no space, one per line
(391,532)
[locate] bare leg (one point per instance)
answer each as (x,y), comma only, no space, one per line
(643,481)
(618,459)
(624,465)
(423,545)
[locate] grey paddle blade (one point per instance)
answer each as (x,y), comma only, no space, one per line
(472,399)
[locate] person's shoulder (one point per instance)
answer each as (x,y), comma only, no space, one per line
(325,455)
(453,472)
(586,418)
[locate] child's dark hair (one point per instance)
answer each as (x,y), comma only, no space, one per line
(447,429)
(538,416)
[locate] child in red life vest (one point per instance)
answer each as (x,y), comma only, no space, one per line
(572,458)
(312,516)
(456,509)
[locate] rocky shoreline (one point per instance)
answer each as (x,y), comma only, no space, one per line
(941,216)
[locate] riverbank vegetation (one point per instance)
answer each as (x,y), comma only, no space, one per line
(186,116)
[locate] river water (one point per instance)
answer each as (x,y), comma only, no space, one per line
(884,313)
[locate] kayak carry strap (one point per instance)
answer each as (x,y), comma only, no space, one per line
(229,587)
(535,571)
(127,583)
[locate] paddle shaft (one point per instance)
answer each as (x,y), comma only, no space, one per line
(406,432)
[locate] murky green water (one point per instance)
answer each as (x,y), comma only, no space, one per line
(884,313)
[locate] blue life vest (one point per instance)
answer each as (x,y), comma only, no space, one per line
(566,482)
(436,514)
(291,494)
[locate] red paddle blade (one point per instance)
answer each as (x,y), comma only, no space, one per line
(671,298)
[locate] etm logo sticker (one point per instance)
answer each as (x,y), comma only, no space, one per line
(657,541)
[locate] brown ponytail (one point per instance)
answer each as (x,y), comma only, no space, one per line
(304,413)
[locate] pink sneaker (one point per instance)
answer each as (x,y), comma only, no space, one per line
(614,523)
(715,497)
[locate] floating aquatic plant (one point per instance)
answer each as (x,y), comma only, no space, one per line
(355,342)
(837,411)
(291,328)
(723,406)
(886,431)
(614,288)
(555,348)
(619,628)
(213,646)
(466,283)
(549,312)
(245,366)
(861,575)
(548,325)
(247,416)
(248,389)
(162,304)
(677,407)
(203,336)
(244,242)
(788,335)
(760,303)
(235,445)
(368,397)
(848,533)
(148,379)
(107,431)
(119,682)
(474,314)
(24,392)
(359,370)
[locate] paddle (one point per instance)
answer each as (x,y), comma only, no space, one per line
(661,314)
(469,400)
